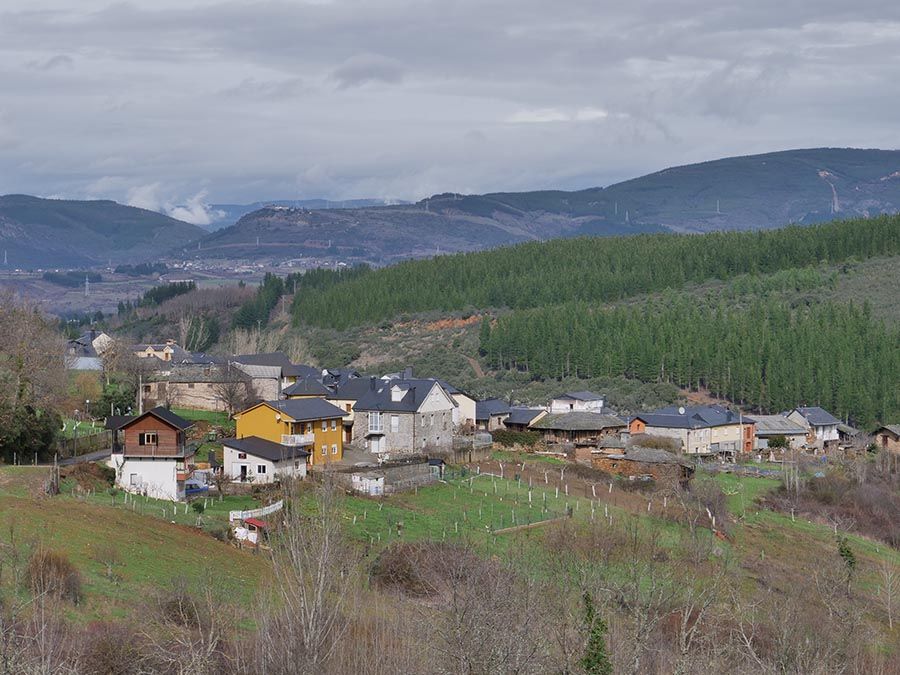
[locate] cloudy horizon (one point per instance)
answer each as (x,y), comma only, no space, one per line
(173,105)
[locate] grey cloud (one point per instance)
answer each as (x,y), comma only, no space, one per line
(399,98)
(366,68)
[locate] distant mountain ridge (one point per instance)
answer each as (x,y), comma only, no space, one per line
(748,192)
(37,232)
(228,214)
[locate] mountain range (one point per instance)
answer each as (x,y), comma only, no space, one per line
(228,214)
(750,192)
(36,232)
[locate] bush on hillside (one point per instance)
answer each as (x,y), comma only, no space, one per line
(51,573)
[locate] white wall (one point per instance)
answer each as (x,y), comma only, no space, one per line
(564,405)
(153,477)
(465,413)
(273,470)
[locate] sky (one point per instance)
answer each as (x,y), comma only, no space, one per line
(176,104)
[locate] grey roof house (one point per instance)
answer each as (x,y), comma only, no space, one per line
(403,417)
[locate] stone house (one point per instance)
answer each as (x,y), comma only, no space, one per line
(190,386)
(887,437)
(490,414)
(772,426)
(665,468)
(404,417)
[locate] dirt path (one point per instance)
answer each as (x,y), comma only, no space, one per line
(479,372)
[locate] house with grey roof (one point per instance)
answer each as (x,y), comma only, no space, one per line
(85,351)
(254,459)
(464,412)
(305,388)
(821,426)
(705,430)
(773,426)
(272,372)
(404,417)
(577,401)
(490,413)
(521,418)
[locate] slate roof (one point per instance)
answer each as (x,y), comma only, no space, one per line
(301,370)
(165,415)
(186,373)
(335,377)
(353,389)
(486,409)
(416,391)
(775,425)
(114,422)
(307,387)
(847,430)
(579,421)
(272,359)
(260,447)
(694,417)
(893,428)
(581,396)
(818,417)
(306,409)
(522,416)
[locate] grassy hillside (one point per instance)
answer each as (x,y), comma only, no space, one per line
(148,553)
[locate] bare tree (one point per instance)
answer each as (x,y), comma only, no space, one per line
(888,590)
(232,389)
(302,624)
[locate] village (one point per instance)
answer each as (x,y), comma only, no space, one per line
(379,434)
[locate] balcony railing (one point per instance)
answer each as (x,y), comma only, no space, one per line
(298,439)
(183,473)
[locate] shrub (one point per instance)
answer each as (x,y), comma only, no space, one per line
(109,649)
(51,573)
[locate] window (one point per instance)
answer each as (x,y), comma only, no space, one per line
(334,425)
(324,450)
(309,427)
(395,423)
(324,425)
(146,388)
(242,455)
(260,468)
(133,479)
(147,438)
(347,407)
(334,449)
(376,423)
(190,385)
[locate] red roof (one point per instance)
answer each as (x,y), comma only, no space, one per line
(256,522)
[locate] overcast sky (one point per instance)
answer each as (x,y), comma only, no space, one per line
(169,103)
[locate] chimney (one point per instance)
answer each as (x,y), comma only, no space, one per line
(372,383)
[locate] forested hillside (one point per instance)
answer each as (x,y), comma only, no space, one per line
(768,331)
(768,356)
(587,269)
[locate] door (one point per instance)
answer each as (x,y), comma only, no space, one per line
(243,475)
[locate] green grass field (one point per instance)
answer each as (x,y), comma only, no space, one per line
(219,419)
(149,553)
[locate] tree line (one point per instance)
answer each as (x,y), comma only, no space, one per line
(766,355)
(585,269)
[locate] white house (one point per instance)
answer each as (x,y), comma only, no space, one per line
(260,461)
(154,458)
(577,401)
(821,426)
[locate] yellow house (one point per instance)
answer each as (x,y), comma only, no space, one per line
(312,424)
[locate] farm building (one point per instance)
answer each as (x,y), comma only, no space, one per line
(774,426)
(663,467)
(580,428)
